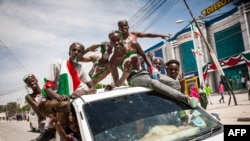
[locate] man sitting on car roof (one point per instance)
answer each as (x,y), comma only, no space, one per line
(126,57)
(66,79)
(34,98)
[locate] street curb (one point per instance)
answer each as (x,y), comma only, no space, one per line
(244,119)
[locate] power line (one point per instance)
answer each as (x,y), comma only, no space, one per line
(161,14)
(133,18)
(11,90)
(6,52)
(153,8)
(140,15)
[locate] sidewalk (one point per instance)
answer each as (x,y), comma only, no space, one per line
(229,114)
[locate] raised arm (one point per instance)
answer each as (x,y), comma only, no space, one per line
(91,58)
(149,35)
(91,48)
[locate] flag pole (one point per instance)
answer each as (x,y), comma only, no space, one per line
(215,60)
(197,56)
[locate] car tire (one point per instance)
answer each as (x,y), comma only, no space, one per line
(32,128)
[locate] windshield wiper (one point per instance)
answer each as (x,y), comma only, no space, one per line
(204,135)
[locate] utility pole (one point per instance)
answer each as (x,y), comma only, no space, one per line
(224,80)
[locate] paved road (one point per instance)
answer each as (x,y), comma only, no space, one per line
(16,131)
(229,114)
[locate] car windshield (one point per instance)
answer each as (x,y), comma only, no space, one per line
(147,116)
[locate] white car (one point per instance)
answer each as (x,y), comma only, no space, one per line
(33,120)
(139,113)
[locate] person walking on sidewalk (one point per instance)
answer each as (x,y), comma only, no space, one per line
(208,93)
(248,87)
(221,91)
(194,92)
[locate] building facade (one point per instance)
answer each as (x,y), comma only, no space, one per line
(227,35)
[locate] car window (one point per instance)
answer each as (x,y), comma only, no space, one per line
(142,115)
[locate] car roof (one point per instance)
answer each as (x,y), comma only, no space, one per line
(119,91)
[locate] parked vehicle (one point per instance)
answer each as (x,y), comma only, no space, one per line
(33,120)
(139,113)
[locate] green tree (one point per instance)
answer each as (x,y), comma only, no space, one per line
(26,107)
(11,108)
(2,108)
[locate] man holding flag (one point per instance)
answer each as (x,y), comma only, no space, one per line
(66,79)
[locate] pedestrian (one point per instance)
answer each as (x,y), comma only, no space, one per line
(248,87)
(231,82)
(194,92)
(66,79)
(173,70)
(126,58)
(238,82)
(8,118)
(203,97)
(243,82)
(208,93)
(221,91)
(34,98)
(234,83)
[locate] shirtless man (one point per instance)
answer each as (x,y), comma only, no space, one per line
(126,58)
(133,35)
(122,52)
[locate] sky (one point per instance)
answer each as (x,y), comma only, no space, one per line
(35,33)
